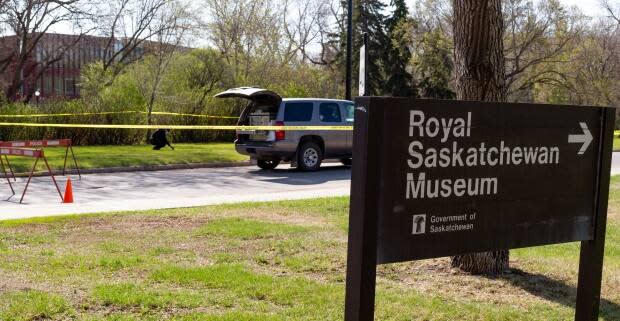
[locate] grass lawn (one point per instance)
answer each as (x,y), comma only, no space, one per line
(264,262)
(138,155)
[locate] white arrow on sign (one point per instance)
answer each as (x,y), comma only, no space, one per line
(585,139)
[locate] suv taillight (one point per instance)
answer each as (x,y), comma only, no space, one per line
(280,134)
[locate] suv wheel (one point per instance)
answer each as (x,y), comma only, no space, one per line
(309,157)
(267,164)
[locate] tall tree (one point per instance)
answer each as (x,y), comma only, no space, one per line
(399,80)
(480,75)
(369,19)
(306,24)
(334,48)
(433,49)
(250,35)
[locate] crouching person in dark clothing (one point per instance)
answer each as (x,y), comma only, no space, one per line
(159,139)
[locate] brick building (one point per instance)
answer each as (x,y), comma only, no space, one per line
(60,79)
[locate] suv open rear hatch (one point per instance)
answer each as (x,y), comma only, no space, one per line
(261,111)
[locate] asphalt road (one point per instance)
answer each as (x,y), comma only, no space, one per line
(171,189)
(179,188)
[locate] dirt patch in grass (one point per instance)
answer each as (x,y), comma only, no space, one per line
(141,223)
(436,277)
(613,214)
(519,287)
(13,281)
(278,216)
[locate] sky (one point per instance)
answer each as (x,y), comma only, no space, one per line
(589,7)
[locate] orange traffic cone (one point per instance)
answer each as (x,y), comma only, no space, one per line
(68,192)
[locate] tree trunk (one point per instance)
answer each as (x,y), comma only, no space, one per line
(479,67)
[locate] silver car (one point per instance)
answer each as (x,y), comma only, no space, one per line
(305,149)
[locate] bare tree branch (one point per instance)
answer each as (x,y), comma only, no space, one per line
(170,28)
(537,39)
(128,24)
(29,21)
(612,11)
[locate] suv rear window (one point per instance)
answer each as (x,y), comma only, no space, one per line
(298,111)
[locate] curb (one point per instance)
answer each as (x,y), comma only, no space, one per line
(148,168)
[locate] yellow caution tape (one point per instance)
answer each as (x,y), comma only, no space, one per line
(184,127)
(114,113)
(190,115)
(191,127)
(68,114)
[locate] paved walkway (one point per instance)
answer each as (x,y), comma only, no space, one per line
(171,189)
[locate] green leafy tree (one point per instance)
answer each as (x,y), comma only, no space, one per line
(369,18)
(538,40)
(199,74)
(104,91)
(399,80)
(434,65)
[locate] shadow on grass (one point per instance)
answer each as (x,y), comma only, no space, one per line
(557,291)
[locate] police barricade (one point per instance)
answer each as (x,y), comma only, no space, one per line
(67,143)
(6,175)
(37,154)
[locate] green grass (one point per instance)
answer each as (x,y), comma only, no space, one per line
(128,295)
(33,305)
(272,261)
(616,143)
(138,155)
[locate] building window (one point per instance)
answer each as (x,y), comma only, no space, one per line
(69,87)
(138,52)
(69,54)
(118,46)
(47,84)
(38,53)
(58,82)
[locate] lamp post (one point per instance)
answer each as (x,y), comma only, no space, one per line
(37,95)
(349,61)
